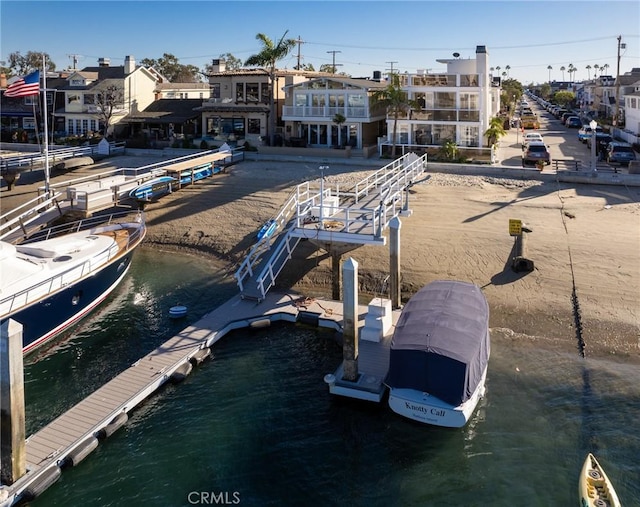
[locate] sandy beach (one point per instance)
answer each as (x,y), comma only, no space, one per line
(585,244)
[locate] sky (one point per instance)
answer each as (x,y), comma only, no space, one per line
(363,36)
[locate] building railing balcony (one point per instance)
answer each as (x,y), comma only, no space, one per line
(326,112)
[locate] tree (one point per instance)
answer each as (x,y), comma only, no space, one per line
(339,120)
(562,69)
(495,131)
(595,70)
(24,64)
(588,67)
(173,70)
(545,90)
(268,57)
(511,88)
(109,101)
(549,68)
(564,97)
(396,100)
(507,68)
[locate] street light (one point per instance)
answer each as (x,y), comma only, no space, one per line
(593,124)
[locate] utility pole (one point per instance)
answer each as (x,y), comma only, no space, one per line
(333,66)
(74,59)
(391,69)
(616,120)
(299,41)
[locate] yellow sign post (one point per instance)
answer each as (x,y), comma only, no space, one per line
(515,227)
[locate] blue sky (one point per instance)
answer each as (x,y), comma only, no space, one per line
(527,35)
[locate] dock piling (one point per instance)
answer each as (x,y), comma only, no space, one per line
(350,328)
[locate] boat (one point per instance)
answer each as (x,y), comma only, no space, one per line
(267,229)
(51,280)
(153,189)
(439,354)
(197,173)
(595,488)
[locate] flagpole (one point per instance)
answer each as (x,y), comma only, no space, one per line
(46,127)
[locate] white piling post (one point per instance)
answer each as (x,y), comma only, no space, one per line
(394,262)
(350,326)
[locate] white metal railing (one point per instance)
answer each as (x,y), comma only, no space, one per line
(19,218)
(390,184)
(55,155)
(327,112)
(60,280)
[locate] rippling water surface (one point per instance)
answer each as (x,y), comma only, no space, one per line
(256,425)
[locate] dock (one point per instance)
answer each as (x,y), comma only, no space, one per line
(68,439)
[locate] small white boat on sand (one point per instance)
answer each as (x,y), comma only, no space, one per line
(595,488)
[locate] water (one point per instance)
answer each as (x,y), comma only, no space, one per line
(257,426)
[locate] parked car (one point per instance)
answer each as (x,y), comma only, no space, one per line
(534,152)
(573,122)
(585,132)
(565,115)
(602,140)
(620,153)
(529,137)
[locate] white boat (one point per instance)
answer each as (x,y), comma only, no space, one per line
(595,488)
(440,354)
(53,279)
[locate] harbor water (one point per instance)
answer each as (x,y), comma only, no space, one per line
(256,425)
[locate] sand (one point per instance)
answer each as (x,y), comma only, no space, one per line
(585,245)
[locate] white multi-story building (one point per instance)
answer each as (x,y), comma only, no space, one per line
(454,106)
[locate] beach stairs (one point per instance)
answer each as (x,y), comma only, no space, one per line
(378,321)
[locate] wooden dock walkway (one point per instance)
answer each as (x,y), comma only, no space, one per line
(71,437)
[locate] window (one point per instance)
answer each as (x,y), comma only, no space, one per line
(264,92)
(444,100)
(31,100)
(253,126)
(85,126)
(469,101)
(239,92)
(252,92)
(469,80)
(300,100)
(215,91)
(89,98)
(70,127)
(72,98)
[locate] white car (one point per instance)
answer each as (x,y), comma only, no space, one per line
(531,136)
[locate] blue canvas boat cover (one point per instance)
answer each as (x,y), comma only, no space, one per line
(441,343)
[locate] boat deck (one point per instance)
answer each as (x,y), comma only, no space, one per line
(76,433)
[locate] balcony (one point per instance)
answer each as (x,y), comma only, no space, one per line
(324,113)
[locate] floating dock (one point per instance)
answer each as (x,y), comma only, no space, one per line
(71,437)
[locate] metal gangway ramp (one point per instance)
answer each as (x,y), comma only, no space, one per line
(358,216)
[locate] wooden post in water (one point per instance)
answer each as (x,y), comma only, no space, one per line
(13,453)
(350,326)
(336,275)
(394,264)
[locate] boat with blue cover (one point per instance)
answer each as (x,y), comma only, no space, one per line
(440,354)
(267,229)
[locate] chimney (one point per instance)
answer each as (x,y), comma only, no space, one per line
(218,65)
(129,64)
(3,81)
(104,62)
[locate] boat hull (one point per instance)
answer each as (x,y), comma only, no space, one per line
(48,318)
(153,189)
(595,488)
(53,282)
(428,409)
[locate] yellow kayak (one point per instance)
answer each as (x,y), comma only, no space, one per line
(595,488)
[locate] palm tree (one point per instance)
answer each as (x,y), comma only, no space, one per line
(267,57)
(507,68)
(595,70)
(498,70)
(604,67)
(588,67)
(571,70)
(562,69)
(396,100)
(495,130)
(549,68)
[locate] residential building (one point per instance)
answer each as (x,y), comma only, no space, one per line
(166,90)
(311,108)
(133,89)
(454,106)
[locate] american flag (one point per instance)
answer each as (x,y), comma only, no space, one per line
(25,86)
